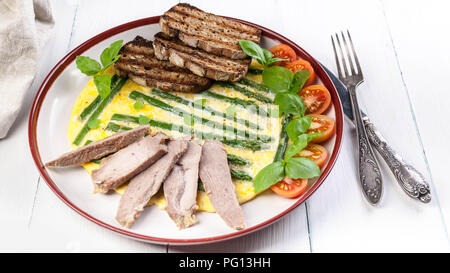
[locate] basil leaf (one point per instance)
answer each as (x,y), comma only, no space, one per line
(277,78)
(269,175)
(93,124)
(87,65)
(138,105)
(311,136)
(299,167)
(298,126)
(253,50)
(103,84)
(274,60)
(267,56)
(300,77)
(143,120)
(109,54)
(290,104)
(298,145)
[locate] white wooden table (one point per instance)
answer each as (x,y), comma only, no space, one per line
(404,48)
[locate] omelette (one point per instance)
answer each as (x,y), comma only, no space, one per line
(121,103)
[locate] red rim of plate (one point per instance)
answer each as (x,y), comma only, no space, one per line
(69,58)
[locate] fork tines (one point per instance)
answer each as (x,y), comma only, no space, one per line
(346,61)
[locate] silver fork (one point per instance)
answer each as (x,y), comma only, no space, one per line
(369,171)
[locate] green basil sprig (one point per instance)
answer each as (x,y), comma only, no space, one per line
(91,67)
(285,84)
(280,79)
(262,55)
(294,167)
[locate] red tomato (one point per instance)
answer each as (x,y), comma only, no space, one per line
(283,51)
(321,124)
(317,99)
(315,152)
(289,187)
(300,65)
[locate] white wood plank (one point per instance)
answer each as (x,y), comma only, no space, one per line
(290,234)
(20,175)
(340,218)
(422,47)
(56,227)
(286,235)
(94,17)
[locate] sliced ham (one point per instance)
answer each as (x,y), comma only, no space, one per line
(128,162)
(215,175)
(99,149)
(180,187)
(142,187)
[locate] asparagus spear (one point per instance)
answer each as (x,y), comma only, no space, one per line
(238,161)
(210,123)
(241,175)
(255,145)
(232,159)
(284,139)
(255,85)
(116,127)
(246,92)
(244,103)
(90,107)
(166,95)
(98,110)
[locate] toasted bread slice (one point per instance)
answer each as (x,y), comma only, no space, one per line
(138,62)
(214,34)
(199,62)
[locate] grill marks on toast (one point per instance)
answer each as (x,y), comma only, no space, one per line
(217,27)
(194,11)
(197,61)
(212,33)
(139,63)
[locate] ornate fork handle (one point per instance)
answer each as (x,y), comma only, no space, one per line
(369,171)
(410,179)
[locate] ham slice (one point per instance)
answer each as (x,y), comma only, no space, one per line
(142,187)
(215,175)
(99,149)
(128,162)
(180,187)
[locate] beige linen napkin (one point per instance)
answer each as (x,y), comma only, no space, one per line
(25,26)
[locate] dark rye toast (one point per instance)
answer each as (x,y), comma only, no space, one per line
(138,62)
(199,62)
(214,34)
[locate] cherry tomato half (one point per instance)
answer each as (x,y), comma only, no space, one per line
(283,51)
(315,152)
(300,65)
(289,187)
(321,124)
(317,99)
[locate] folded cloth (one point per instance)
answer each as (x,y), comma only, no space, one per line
(25,26)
